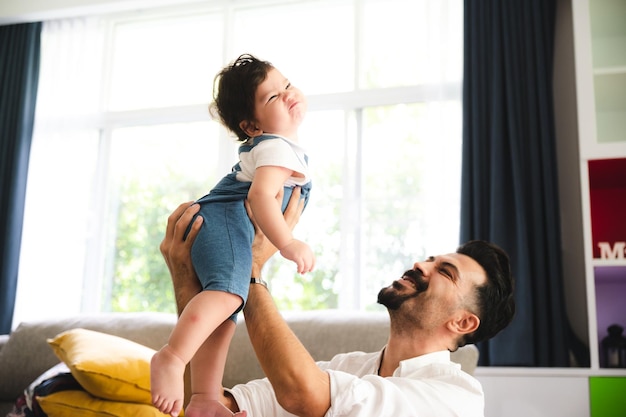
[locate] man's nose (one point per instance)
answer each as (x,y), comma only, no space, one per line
(423,267)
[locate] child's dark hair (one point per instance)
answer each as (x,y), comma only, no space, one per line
(234,89)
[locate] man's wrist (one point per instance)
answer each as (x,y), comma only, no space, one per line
(254,280)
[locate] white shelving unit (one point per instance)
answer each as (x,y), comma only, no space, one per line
(600,54)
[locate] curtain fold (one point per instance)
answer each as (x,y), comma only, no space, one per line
(509,173)
(19,74)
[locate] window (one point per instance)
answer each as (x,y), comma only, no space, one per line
(122,136)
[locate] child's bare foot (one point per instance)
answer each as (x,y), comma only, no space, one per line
(167,381)
(201,405)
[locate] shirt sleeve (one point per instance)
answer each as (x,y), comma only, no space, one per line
(258,399)
(277,152)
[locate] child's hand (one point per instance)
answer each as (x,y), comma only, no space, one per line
(301,254)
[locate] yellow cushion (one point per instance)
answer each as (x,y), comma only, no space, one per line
(80,403)
(106,366)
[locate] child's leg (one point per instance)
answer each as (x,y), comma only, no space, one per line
(207,372)
(204,313)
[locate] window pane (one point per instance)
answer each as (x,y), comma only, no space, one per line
(152,170)
(411,192)
(385,179)
(411,42)
(165,62)
(311,43)
(61,179)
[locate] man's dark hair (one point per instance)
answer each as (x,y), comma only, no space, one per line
(494,299)
(234,89)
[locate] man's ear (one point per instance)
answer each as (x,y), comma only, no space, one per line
(250,128)
(465,323)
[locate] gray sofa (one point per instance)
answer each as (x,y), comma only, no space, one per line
(25,354)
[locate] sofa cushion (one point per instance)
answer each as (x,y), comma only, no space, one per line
(80,403)
(27,354)
(106,366)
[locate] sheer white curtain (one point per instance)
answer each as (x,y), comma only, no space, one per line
(62,168)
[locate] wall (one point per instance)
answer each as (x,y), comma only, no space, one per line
(535,393)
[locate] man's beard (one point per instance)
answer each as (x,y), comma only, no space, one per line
(389,296)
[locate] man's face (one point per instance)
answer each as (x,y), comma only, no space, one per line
(434,289)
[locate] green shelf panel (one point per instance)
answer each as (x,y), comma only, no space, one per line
(607,396)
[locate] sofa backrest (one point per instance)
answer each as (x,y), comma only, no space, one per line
(27,355)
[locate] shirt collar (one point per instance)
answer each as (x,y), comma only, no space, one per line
(412,364)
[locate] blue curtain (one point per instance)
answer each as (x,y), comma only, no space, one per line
(19,75)
(509,174)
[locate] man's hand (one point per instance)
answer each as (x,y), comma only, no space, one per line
(176,251)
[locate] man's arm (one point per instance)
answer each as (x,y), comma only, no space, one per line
(300,386)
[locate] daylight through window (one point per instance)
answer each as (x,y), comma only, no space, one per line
(123,135)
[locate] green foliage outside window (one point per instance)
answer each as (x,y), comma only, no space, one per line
(141,280)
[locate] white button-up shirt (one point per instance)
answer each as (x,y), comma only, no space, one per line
(427,385)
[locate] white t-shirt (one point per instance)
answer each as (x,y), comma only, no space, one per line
(277,152)
(427,385)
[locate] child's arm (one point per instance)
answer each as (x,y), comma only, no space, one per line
(268,182)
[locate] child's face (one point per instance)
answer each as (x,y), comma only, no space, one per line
(279,106)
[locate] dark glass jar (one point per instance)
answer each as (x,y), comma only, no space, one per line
(614,348)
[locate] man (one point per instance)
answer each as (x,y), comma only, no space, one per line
(434,308)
